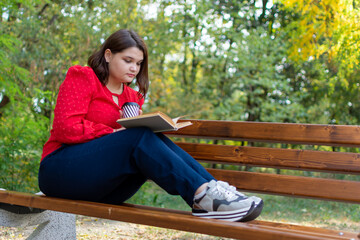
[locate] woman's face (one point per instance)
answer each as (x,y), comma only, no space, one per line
(124,66)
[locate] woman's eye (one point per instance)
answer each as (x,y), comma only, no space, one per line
(127,61)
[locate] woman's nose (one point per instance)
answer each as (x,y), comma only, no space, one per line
(133,67)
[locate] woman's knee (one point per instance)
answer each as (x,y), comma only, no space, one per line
(140,132)
(131,135)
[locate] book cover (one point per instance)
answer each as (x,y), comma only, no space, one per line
(157,121)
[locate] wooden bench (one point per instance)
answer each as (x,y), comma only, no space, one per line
(254,144)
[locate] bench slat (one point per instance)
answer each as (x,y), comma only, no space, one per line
(169,219)
(275,157)
(329,189)
(271,225)
(312,134)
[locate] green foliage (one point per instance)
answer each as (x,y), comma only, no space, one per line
(224,60)
(325,35)
(22,130)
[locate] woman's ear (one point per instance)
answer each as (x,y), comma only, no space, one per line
(108,55)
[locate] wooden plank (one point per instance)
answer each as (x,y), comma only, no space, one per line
(319,188)
(299,228)
(339,162)
(161,218)
(326,233)
(312,134)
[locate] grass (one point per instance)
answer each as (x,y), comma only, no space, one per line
(316,213)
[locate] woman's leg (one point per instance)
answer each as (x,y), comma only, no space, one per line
(173,173)
(106,166)
(186,157)
(124,190)
(117,195)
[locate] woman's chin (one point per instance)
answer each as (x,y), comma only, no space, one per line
(126,81)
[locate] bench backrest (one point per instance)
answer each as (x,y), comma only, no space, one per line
(274,146)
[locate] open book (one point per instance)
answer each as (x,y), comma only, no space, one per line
(157,121)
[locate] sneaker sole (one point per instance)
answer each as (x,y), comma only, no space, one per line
(255,213)
(233,216)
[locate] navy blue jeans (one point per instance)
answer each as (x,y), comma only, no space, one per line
(112,168)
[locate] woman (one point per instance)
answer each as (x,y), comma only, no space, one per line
(90,157)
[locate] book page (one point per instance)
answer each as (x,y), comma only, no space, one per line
(158,122)
(183,124)
(176,119)
(154,121)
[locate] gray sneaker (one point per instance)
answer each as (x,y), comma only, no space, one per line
(259,204)
(220,203)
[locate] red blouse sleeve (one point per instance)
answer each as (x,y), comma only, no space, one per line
(75,93)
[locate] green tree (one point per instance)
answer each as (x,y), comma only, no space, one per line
(22,129)
(324,39)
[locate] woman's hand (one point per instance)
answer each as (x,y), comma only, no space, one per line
(119,129)
(121,113)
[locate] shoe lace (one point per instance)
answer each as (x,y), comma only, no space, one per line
(230,188)
(222,193)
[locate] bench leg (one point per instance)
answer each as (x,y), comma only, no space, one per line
(52,225)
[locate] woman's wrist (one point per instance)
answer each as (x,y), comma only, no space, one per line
(119,129)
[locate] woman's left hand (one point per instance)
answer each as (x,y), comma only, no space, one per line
(121,114)
(119,129)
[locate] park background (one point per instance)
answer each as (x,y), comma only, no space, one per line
(244,60)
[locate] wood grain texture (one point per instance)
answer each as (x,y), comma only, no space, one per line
(296,186)
(172,219)
(339,162)
(313,134)
(318,188)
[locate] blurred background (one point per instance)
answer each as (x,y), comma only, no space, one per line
(245,60)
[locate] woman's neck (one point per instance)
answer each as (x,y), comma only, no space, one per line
(115,88)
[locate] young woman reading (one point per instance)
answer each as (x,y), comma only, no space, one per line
(91,157)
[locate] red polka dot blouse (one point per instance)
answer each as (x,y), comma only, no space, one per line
(85,109)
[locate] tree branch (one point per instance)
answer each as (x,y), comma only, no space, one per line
(43,9)
(4,101)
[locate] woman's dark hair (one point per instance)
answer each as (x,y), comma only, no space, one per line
(118,42)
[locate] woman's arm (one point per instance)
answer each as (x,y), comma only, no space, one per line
(75,94)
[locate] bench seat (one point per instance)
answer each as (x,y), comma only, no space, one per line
(175,219)
(313,153)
